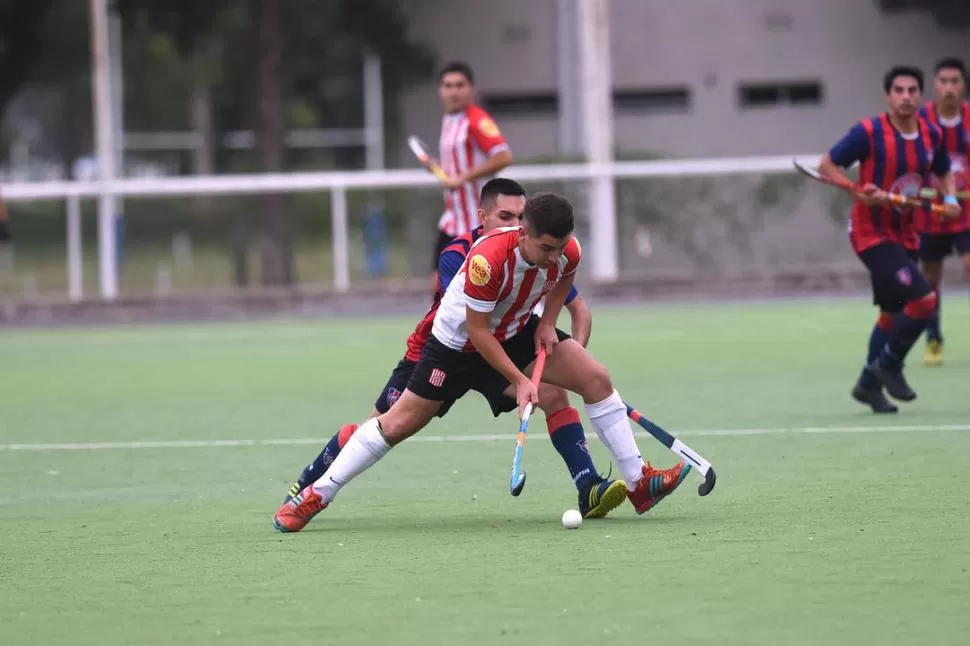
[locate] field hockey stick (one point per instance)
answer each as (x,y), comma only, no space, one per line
(852,187)
(690,455)
(517,481)
(932,193)
(421,152)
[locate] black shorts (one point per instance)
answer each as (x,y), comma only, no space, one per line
(443,241)
(934,247)
(445,375)
(492,384)
(396,384)
(895,275)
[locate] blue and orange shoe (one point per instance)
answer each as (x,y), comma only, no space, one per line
(656,485)
(601,498)
(294,515)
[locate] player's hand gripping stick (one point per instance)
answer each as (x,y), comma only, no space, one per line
(851,187)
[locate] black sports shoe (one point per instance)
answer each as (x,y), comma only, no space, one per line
(602,497)
(874,398)
(893,380)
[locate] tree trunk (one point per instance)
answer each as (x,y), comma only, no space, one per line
(205,51)
(275,237)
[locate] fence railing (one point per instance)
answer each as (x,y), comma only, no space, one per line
(603,265)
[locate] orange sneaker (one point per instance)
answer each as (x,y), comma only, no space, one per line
(294,514)
(656,485)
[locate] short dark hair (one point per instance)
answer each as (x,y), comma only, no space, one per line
(457,67)
(548,213)
(498,186)
(902,70)
(950,63)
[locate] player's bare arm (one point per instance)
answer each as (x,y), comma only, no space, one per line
(871,194)
(481,336)
(951,206)
(491,166)
(581,320)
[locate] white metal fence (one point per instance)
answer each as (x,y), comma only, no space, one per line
(604,263)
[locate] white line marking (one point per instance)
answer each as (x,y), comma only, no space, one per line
(510,437)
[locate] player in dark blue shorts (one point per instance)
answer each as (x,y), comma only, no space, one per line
(939,236)
(897,151)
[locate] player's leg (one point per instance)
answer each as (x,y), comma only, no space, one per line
(597,495)
(933,249)
(440,375)
(868,389)
(961,243)
(396,384)
(573,368)
(900,277)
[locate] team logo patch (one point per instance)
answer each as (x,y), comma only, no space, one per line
(488,128)
(437,378)
(393,394)
(479,271)
(582,444)
(908,185)
(904,276)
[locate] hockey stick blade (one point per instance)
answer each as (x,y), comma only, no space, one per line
(690,456)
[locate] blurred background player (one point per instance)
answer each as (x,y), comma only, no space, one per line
(939,236)
(896,152)
(472,150)
(502,201)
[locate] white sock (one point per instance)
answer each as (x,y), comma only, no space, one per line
(362,451)
(613,429)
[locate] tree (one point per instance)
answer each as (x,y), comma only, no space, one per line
(275,239)
(284,54)
(21,43)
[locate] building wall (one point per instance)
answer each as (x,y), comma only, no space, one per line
(707,47)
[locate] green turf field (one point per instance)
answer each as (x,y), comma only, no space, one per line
(828,525)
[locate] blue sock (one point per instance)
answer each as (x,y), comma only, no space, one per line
(934,330)
(905,333)
(322,462)
(877,341)
(567,435)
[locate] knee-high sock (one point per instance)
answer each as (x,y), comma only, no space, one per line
(877,341)
(567,435)
(613,429)
(934,328)
(361,452)
(313,471)
(907,328)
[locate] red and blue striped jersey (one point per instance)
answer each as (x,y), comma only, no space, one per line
(956,140)
(895,163)
(449,261)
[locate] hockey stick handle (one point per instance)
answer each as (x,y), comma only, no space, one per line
(852,187)
(517,479)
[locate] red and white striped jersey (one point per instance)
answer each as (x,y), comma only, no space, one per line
(496,279)
(468,138)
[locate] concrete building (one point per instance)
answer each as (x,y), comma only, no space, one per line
(691,78)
